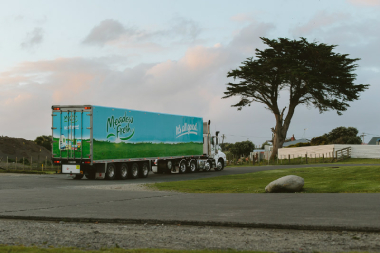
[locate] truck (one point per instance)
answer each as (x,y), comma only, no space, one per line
(114,143)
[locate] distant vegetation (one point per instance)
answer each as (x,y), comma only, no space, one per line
(238,149)
(339,135)
(44,141)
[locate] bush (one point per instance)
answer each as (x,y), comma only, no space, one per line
(301,144)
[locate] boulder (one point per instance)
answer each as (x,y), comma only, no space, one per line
(290,183)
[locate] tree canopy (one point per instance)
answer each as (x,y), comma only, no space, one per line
(242,148)
(44,141)
(339,135)
(312,73)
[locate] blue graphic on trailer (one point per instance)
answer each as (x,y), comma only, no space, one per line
(130,126)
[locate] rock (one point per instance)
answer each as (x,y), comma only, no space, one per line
(290,183)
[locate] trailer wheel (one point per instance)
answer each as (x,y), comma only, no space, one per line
(208,166)
(134,173)
(182,167)
(78,176)
(193,166)
(90,175)
(144,170)
(169,167)
(122,171)
(110,172)
(219,165)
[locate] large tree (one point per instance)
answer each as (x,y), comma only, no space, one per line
(311,73)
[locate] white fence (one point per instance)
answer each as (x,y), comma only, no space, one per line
(357,151)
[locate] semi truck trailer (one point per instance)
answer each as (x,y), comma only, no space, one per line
(115,143)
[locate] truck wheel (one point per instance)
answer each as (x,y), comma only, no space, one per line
(182,166)
(144,170)
(110,172)
(219,165)
(122,172)
(193,166)
(90,175)
(169,166)
(134,173)
(208,166)
(78,176)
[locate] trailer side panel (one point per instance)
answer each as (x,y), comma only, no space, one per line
(129,134)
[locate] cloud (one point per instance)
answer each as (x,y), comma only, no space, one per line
(365,2)
(113,33)
(321,20)
(193,85)
(242,17)
(108,30)
(33,38)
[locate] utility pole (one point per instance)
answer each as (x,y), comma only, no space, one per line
(223,136)
(363,134)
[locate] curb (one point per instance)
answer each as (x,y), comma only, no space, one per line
(197,223)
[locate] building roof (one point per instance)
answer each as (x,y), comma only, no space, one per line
(288,143)
(374,141)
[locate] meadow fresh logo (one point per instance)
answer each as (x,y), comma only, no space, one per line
(120,127)
(70,119)
(186,129)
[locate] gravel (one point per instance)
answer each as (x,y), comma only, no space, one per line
(101,235)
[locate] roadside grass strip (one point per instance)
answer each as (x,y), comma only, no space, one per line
(27,171)
(22,249)
(332,179)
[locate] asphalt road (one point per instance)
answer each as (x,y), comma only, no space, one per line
(58,197)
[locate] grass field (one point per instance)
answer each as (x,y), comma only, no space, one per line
(108,150)
(332,179)
(298,161)
(85,146)
(21,249)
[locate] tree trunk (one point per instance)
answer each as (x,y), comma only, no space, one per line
(281,129)
(278,139)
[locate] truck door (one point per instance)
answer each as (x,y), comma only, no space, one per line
(71,133)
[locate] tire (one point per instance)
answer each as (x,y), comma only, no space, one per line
(208,166)
(144,170)
(193,166)
(169,167)
(122,172)
(78,176)
(219,165)
(111,171)
(134,171)
(90,175)
(182,167)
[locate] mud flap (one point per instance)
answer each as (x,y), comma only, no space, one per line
(100,175)
(175,169)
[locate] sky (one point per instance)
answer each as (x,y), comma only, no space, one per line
(173,57)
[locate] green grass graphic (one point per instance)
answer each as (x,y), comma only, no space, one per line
(85,146)
(108,150)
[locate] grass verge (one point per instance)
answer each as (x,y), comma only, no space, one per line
(332,179)
(19,249)
(27,171)
(299,161)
